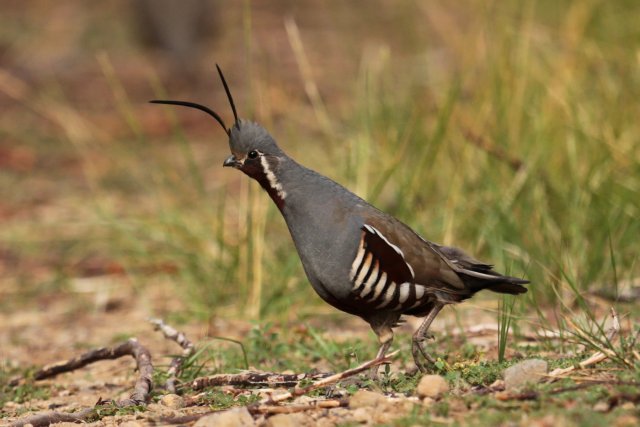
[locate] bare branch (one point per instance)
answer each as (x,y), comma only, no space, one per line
(54,417)
(131,347)
(330,379)
(253,379)
(289,409)
(176,363)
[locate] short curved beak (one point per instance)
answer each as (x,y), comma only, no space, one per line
(231,161)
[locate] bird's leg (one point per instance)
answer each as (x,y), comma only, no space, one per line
(417,345)
(385,337)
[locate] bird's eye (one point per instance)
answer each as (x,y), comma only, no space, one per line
(252,154)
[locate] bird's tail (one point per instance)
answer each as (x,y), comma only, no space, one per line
(478,275)
(509,285)
(493,281)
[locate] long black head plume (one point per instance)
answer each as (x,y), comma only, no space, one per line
(207,109)
(226,89)
(196,106)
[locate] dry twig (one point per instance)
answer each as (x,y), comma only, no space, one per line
(175,367)
(131,347)
(49,418)
(141,390)
(253,379)
(289,409)
(270,405)
(330,379)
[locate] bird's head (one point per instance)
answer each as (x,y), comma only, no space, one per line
(253,149)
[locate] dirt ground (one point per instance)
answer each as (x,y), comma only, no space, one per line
(104,311)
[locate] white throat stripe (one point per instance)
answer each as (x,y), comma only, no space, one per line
(271,177)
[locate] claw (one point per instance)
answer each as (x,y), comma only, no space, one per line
(418,351)
(420,336)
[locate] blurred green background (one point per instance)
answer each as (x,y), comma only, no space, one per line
(508,128)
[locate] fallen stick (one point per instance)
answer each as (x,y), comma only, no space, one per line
(131,347)
(141,390)
(268,405)
(175,367)
(253,379)
(329,380)
(289,409)
(48,418)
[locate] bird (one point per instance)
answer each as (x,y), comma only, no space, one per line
(357,258)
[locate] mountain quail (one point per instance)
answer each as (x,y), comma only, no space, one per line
(357,258)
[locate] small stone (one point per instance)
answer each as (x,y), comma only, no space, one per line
(235,417)
(428,401)
(626,421)
(628,406)
(289,420)
(432,386)
(525,373)
(161,410)
(10,405)
(172,401)
(601,406)
(497,385)
(361,415)
(366,399)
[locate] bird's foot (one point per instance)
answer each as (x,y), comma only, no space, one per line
(373,371)
(419,352)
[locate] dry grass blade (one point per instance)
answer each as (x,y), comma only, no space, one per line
(596,357)
(310,87)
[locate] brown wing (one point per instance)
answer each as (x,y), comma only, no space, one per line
(430,267)
(395,269)
(379,273)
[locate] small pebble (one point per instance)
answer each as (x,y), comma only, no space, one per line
(428,401)
(289,420)
(366,399)
(432,386)
(172,401)
(235,417)
(525,373)
(601,406)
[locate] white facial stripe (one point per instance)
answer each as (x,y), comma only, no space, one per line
(419,291)
(271,177)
